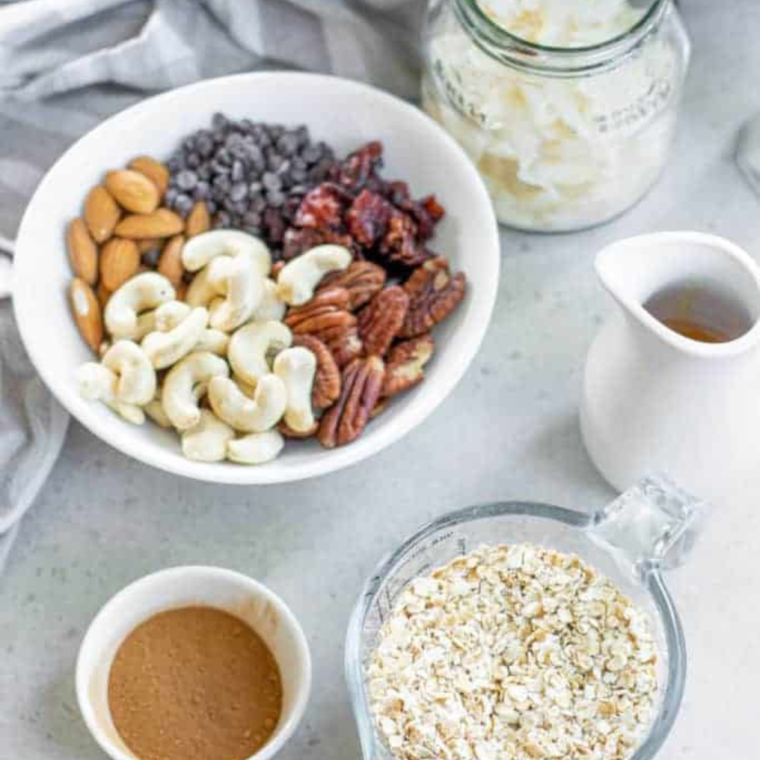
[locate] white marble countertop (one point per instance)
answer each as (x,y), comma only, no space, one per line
(508,431)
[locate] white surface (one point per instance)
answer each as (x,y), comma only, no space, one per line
(508,430)
(654,401)
(348,115)
(180,587)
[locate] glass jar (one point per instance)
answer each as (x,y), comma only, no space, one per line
(564,137)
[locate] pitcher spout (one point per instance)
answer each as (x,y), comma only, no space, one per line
(698,293)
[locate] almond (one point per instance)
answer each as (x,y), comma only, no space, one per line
(83,253)
(181,291)
(101,213)
(87,313)
(162,223)
(170,263)
(155,171)
(103,294)
(133,191)
(119,260)
(198,220)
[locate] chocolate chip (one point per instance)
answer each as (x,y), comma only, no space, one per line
(311,154)
(287,144)
(219,168)
(238,191)
(202,191)
(205,145)
(252,219)
(222,182)
(150,258)
(183,205)
(238,171)
(271,181)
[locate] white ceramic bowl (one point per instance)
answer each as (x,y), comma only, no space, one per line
(178,587)
(344,113)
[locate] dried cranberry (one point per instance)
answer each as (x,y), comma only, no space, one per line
(274,225)
(367,219)
(322,207)
(299,240)
(400,243)
(360,166)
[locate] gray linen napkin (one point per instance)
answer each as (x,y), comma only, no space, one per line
(66,64)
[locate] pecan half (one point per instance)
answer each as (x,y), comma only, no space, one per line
(327,309)
(345,421)
(362,280)
(326,388)
(406,362)
(378,408)
(380,321)
(433,295)
(344,346)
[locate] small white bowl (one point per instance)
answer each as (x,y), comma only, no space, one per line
(345,114)
(178,587)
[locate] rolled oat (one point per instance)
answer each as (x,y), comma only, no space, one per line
(513,653)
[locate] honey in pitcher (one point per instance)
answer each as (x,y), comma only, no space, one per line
(700,312)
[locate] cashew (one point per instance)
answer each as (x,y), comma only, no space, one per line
(166,348)
(201,249)
(155,410)
(243,287)
(296,368)
(255,448)
(299,277)
(215,341)
(248,415)
(247,388)
(250,346)
(185,384)
(170,314)
(208,284)
(136,376)
(98,383)
(140,293)
(207,441)
(270,307)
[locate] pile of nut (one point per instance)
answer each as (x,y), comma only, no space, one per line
(513,652)
(238,347)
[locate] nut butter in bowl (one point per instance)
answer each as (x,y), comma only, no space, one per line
(193,663)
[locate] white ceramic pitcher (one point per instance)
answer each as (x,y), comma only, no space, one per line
(654,400)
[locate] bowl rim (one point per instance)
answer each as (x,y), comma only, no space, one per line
(340,458)
(183,573)
(649,574)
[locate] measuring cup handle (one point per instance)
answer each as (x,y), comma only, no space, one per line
(652,525)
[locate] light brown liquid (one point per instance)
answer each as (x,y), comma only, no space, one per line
(695,331)
(700,312)
(194,684)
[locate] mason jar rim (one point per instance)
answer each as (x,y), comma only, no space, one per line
(499,43)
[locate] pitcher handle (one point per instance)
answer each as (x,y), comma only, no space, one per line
(6,255)
(653,525)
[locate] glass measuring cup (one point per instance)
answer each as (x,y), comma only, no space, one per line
(647,529)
